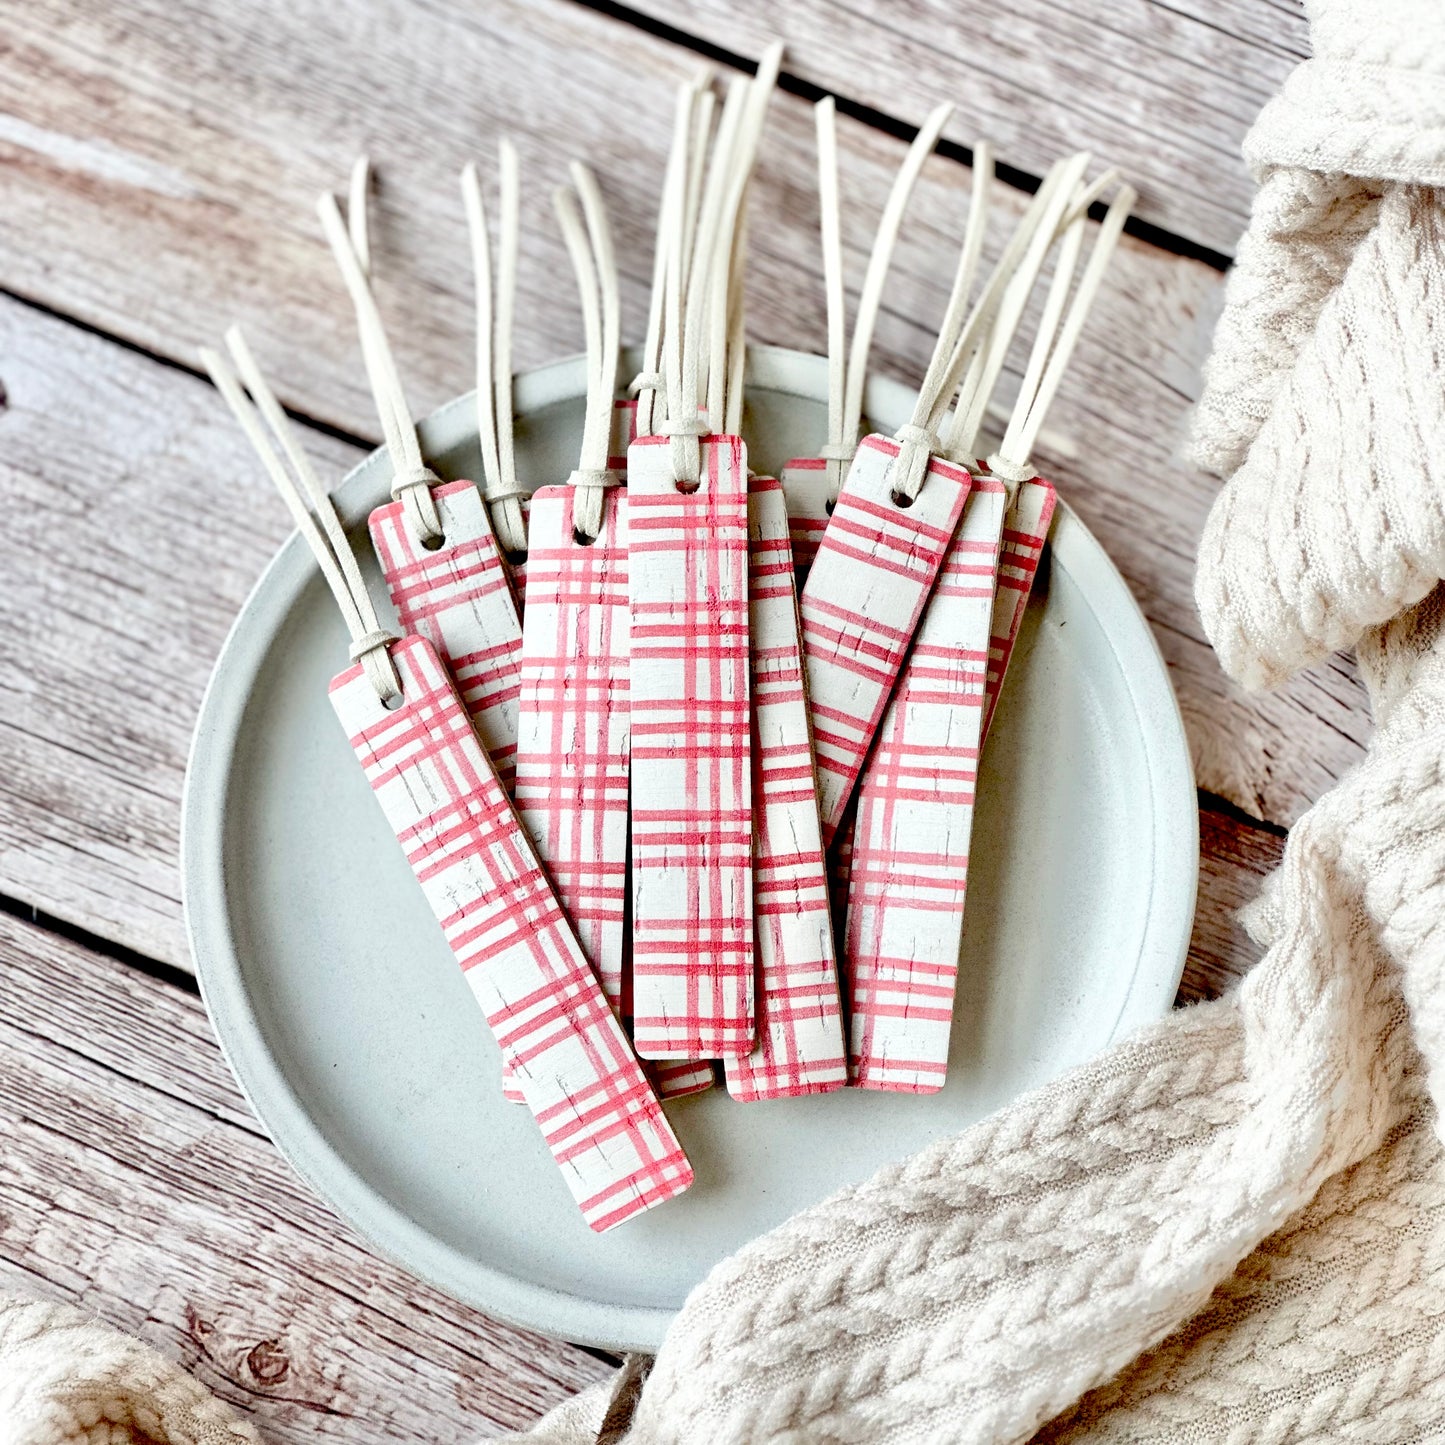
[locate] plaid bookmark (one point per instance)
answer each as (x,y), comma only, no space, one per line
(459,599)
(1025,530)
(915,817)
(864,596)
(692,832)
(572,720)
(573,715)
(810,496)
(572,738)
(442,797)
(799,1022)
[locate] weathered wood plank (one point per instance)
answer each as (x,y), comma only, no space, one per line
(169,227)
(1165,91)
(1235,857)
(136,523)
(138,1185)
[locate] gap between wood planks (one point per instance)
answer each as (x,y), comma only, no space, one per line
(790,84)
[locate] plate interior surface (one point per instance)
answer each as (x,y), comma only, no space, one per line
(354,1034)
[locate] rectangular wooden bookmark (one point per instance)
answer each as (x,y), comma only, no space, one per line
(477,868)
(573,720)
(915,817)
(692,833)
(573,745)
(459,598)
(864,596)
(799,1021)
(1025,530)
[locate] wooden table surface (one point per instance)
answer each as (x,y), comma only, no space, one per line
(158,164)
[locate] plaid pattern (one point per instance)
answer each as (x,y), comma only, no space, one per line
(459,599)
(692,953)
(915,817)
(571,783)
(572,745)
(799,1022)
(805,485)
(442,798)
(864,596)
(1025,530)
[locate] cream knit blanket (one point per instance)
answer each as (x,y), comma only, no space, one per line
(1231,1227)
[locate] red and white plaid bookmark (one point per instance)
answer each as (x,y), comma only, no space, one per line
(459,599)
(1025,530)
(441,796)
(861,605)
(915,818)
(572,742)
(692,830)
(799,1021)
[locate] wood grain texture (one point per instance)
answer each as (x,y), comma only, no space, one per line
(137,1185)
(136,521)
(1235,857)
(221,124)
(1163,90)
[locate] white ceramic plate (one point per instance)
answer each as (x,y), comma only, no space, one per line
(356,1040)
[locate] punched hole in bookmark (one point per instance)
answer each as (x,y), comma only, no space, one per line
(434,543)
(899,499)
(581,538)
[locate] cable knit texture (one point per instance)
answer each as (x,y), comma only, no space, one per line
(1323,396)
(66,1379)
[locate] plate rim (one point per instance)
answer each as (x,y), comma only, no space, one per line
(262,1080)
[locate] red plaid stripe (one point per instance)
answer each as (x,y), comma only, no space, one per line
(915,817)
(864,596)
(1025,530)
(692,951)
(799,1022)
(442,798)
(459,599)
(809,493)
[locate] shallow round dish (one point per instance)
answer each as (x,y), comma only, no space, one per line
(354,1036)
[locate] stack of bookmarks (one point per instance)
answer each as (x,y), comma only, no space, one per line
(685,757)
